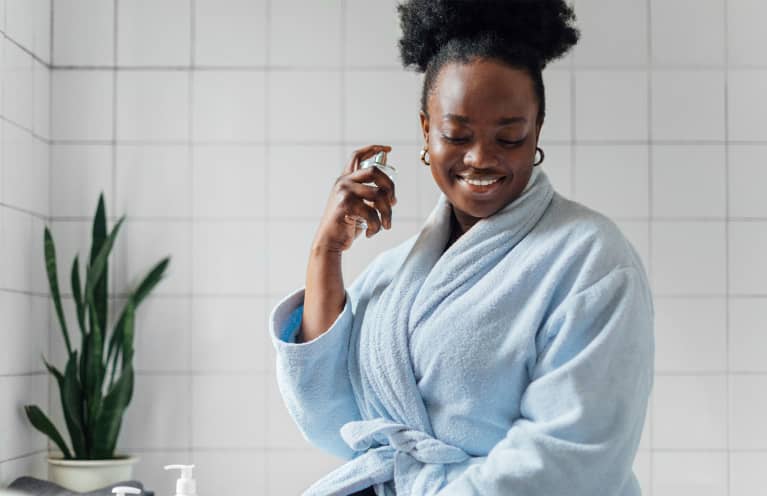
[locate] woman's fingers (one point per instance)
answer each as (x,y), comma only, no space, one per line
(361,154)
(378,198)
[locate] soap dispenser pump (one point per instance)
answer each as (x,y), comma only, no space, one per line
(123,490)
(185,485)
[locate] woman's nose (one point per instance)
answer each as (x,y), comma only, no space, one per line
(481,156)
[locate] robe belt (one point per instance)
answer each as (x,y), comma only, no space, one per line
(384,463)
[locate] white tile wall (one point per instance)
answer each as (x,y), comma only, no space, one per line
(198,134)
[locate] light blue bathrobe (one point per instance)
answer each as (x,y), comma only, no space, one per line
(519,362)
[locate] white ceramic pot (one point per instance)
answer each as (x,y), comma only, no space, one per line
(89,475)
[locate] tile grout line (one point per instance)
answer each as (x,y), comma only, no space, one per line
(728,386)
(267,153)
(651,211)
(191,171)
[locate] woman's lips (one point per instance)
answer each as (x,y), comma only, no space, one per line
(480,189)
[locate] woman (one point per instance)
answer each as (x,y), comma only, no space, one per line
(507,348)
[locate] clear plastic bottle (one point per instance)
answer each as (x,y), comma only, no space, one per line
(378,160)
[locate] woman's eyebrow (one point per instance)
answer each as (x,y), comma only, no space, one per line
(501,122)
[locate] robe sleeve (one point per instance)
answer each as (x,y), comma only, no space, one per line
(313,376)
(583,411)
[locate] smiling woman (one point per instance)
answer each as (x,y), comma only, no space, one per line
(508,347)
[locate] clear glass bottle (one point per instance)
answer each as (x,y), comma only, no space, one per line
(378,160)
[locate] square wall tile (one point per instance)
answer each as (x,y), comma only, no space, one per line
(688,105)
(153,106)
(163,333)
(748,407)
(25,170)
(229,258)
(153,181)
(687,32)
(23,262)
(282,430)
(158,417)
(305,34)
(18,87)
(372,32)
(309,173)
(142,244)
(746,33)
(613,179)
(746,472)
(31,466)
(291,472)
(222,472)
(290,243)
(229,106)
(674,167)
(382,106)
(25,334)
(748,339)
(304,106)
(557,125)
(613,32)
(689,473)
(690,412)
(19,437)
(237,402)
(41,13)
(79,173)
(41,100)
(679,251)
(611,105)
(221,339)
(81,105)
(230,32)
(151,33)
(229,181)
(747,177)
(747,264)
(747,110)
(683,321)
(83,43)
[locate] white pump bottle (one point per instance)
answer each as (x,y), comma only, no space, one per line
(185,485)
(123,490)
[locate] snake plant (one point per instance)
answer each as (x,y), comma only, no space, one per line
(96,384)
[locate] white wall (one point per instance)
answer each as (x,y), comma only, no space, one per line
(24,209)
(219,127)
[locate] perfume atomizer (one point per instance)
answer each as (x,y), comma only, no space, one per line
(378,160)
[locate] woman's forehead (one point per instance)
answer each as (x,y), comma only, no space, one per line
(482,87)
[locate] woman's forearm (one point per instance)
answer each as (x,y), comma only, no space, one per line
(324,297)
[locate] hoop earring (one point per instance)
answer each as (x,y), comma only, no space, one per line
(424,154)
(536,164)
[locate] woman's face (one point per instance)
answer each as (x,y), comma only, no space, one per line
(481,125)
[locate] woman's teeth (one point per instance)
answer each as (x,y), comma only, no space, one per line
(480,182)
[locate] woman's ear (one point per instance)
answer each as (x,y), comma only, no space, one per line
(424,126)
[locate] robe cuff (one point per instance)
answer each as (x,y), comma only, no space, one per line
(285,321)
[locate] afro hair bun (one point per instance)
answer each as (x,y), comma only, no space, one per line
(542,26)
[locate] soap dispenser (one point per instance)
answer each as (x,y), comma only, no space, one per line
(185,485)
(379,161)
(123,490)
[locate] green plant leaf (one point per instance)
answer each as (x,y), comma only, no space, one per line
(151,280)
(107,428)
(53,282)
(99,239)
(72,404)
(124,329)
(78,295)
(43,424)
(94,367)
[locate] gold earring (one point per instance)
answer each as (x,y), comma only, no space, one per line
(424,154)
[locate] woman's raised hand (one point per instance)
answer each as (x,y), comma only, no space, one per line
(352,200)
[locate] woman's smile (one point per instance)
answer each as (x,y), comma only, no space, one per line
(480,187)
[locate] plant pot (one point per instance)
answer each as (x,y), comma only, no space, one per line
(89,475)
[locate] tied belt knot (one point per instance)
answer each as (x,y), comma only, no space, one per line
(410,457)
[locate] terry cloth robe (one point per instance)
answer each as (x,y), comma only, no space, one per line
(519,362)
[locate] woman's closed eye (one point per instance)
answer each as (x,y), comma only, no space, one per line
(461,140)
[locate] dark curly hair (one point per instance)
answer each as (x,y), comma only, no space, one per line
(524,34)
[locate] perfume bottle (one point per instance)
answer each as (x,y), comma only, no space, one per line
(377,160)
